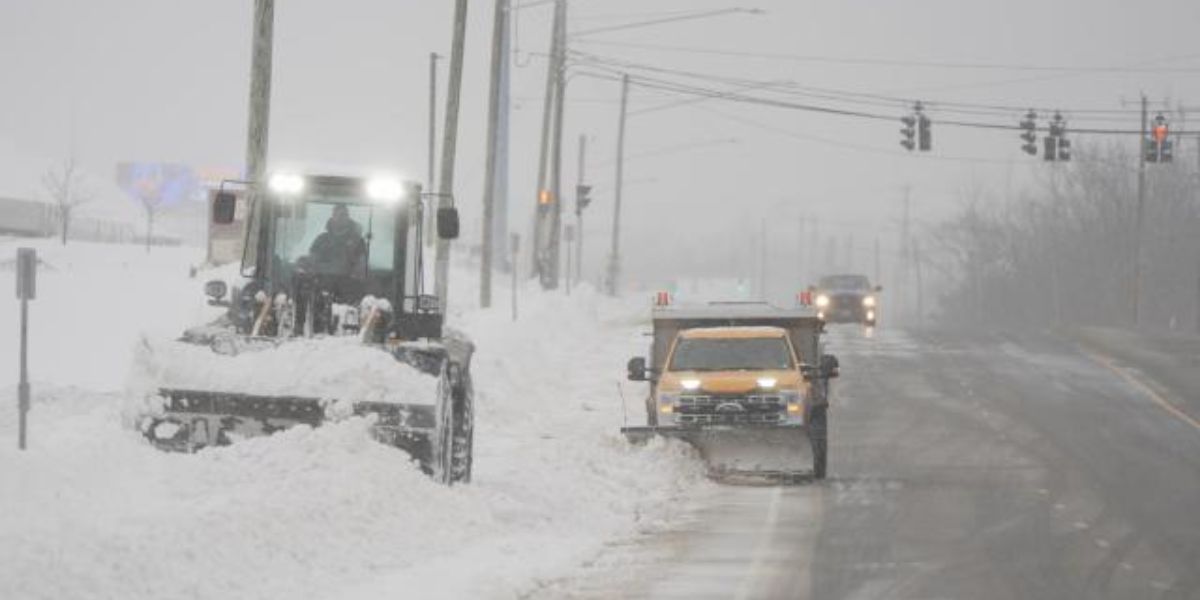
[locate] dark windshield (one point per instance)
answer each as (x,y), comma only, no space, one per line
(845,282)
(731,354)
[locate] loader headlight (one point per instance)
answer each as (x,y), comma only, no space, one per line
(286,184)
(869,301)
(822,301)
(216,289)
(385,190)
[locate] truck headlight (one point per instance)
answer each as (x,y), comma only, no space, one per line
(869,301)
(286,183)
(822,301)
(385,190)
(766,382)
(690,385)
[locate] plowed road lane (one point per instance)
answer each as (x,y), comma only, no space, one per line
(962,466)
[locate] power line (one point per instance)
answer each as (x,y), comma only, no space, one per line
(909,63)
(699,91)
(862,98)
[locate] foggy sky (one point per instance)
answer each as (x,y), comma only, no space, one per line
(167,81)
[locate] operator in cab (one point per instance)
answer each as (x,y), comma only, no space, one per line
(340,249)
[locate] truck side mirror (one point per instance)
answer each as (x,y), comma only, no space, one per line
(224,207)
(830,368)
(637,369)
(447,223)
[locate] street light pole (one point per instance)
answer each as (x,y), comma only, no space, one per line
(614,265)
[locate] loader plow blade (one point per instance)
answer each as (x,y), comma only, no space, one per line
(743,454)
(195,419)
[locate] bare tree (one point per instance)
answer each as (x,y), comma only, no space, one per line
(63,183)
(150,203)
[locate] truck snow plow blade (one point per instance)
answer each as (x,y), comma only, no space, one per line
(752,454)
(195,419)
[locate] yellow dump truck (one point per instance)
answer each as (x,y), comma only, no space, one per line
(746,383)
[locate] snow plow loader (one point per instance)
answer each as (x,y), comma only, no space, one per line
(746,384)
(326,321)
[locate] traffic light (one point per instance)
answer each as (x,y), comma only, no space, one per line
(1159,147)
(1057,146)
(908,132)
(1029,133)
(582,197)
(924,136)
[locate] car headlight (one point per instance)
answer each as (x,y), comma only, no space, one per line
(822,301)
(869,301)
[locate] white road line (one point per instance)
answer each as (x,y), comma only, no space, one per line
(764,546)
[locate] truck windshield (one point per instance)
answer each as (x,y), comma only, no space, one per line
(731,354)
(845,282)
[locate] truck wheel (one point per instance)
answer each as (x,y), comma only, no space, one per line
(818,431)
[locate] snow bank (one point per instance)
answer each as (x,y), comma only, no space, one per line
(91,510)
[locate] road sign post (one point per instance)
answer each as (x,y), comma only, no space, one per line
(515,247)
(26,291)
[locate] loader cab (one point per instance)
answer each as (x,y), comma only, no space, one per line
(344,239)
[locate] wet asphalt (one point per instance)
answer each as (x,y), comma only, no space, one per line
(981,465)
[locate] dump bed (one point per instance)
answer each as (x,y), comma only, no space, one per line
(802,324)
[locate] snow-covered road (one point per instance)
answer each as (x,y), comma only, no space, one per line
(91,511)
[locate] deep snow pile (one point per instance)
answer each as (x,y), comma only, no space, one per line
(92,511)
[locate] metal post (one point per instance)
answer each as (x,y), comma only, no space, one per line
(26,291)
(489,178)
(1137,232)
(23,386)
(569,242)
(429,178)
(450,133)
(579,178)
(614,258)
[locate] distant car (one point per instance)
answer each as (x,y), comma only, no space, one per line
(847,299)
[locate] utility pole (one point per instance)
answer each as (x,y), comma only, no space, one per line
(430,182)
(800,273)
(920,296)
(614,257)
(259,120)
(902,289)
(446,193)
(762,260)
(1137,232)
(878,276)
(489,178)
(543,199)
(579,178)
(500,199)
(554,243)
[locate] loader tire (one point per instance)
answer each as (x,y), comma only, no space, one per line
(463,428)
(442,440)
(818,431)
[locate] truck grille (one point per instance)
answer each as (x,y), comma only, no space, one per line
(715,409)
